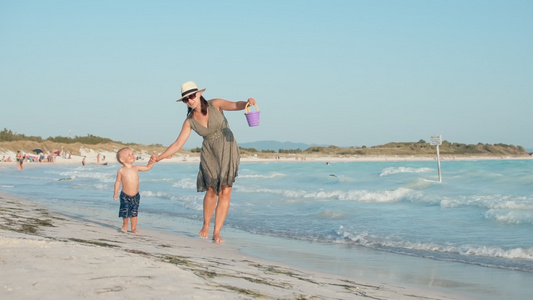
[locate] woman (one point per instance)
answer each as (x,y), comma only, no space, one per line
(219,158)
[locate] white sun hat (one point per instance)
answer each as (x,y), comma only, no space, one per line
(188,88)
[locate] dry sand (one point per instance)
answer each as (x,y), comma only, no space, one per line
(47,255)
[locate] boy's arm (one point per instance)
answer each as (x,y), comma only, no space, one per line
(150,164)
(118,181)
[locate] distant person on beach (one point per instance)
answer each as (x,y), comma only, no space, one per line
(98,159)
(83,161)
(50,157)
(20,160)
(219,159)
(128,177)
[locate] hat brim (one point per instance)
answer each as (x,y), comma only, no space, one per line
(188,94)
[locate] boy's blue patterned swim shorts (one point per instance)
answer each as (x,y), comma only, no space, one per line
(129,205)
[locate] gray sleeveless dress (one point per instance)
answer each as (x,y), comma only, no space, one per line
(220,157)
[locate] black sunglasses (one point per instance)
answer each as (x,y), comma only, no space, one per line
(190,97)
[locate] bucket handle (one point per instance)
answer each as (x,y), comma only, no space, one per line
(247,109)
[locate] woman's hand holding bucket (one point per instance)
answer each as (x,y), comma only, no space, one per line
(251,102)
(252,116)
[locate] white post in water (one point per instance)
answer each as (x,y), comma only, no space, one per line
(436,140)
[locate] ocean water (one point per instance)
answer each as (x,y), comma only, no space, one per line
(386,221)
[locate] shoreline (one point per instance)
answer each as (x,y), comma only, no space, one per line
(51,253)
(91,159)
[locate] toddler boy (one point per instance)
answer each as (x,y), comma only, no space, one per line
(128,177)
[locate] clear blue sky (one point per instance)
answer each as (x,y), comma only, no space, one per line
(345,73)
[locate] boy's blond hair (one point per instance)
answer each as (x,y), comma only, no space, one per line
(118,154)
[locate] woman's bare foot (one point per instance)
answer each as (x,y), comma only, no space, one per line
(204,233)
(217,239)
(124,230)
(135,231)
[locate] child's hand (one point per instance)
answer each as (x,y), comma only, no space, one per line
(153,158)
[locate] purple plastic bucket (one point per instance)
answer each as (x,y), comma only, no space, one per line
(252,116)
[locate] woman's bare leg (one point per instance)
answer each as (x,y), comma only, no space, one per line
(224,198)
(210,202)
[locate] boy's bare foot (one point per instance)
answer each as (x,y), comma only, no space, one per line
(217,239)
(124,230)
(135,231)
(204,233)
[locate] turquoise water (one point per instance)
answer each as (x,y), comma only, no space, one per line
(381,220)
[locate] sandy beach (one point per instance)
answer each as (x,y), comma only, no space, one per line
(107,157)
(48,255)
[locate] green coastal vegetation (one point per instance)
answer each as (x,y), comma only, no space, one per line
(423,148)
(10,136)
(11,141)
